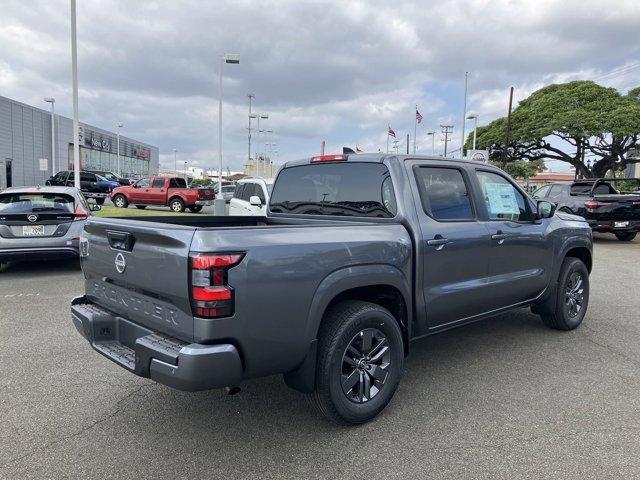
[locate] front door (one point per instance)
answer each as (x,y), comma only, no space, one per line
(454,244)
(156,194)
(521,251)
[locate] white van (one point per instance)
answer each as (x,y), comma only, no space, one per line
(251,197)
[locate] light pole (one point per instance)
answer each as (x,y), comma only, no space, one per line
(74,75)
(433,142)
(263,116)
(52,101)
(186,177)
(251,97)
(474,117)
(119,125)
(464,113)
(219,204)
(175,160)
(264,156)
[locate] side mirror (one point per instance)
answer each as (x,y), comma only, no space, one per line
(135,185)
(546,209)
(255,201)
(94,207)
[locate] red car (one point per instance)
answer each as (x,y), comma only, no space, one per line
(170,192)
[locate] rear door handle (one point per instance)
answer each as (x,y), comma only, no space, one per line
(499,236)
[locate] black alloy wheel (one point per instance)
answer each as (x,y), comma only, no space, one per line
(365,365)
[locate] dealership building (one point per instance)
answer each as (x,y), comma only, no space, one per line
(26,153)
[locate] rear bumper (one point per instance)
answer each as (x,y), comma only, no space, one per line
(610,225)
(204,202)
(154,355)
(95,194)
(38,253)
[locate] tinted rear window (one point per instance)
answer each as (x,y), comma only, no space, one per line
(37,202)
(345,189)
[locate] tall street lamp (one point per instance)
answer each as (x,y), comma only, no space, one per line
(251,97)
(219,204)
(263,116)
(433,142)
(119,125)
(474,117)
(464,113)
(74,75)
(52,101)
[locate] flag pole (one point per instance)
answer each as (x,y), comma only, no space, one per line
(388,128)
(415,130)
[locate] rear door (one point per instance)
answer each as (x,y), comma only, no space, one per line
(521,251)
(453,244)
(125,273)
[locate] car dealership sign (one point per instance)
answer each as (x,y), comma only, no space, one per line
(478,155)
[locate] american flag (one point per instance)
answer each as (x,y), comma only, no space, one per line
(418,116)
(391,133)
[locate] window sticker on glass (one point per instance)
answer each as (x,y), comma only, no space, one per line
(501,199)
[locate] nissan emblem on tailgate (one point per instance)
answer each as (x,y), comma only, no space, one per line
(120,262)
(32,218)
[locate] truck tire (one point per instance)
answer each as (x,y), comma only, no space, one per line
(359,364)
(99,201)
(176,205)
(568,306)
(120,201)
(626,236)
(195,208)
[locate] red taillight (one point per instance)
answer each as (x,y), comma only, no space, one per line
(329,158)
(211,295)
(592,204)
(80,213)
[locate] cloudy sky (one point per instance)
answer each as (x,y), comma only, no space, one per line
(334,70)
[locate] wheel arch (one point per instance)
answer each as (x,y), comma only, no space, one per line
(582,253)
(383,285)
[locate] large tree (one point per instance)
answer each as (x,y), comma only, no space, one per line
(570,122)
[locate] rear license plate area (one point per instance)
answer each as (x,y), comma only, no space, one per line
(620,224)
(32,230)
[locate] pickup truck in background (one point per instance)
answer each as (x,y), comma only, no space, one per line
(357,256)
(172,192)
(604,207)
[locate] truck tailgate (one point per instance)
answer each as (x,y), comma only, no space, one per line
(617,207)
(139,270)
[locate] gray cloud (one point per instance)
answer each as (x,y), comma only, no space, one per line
(338,70)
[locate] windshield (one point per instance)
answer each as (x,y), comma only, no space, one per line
(345,189)
(35,202)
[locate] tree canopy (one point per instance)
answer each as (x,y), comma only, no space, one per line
(570,122)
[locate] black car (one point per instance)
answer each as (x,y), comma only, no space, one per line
(112,176)
(605,208)
(92,185)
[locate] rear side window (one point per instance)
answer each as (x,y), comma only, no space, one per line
(238,191)
(351,189)
(556,191)
(87,177)
(30,203)
(158,183)
(444,193)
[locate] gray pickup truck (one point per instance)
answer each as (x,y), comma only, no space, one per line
(358,256)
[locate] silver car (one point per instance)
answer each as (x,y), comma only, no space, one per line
(41,223)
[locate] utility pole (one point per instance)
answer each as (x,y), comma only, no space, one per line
(464,114)
(507,136)
(446,131)
(414,145)
(251,97)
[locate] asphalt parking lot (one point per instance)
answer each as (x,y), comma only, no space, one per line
(504,398)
